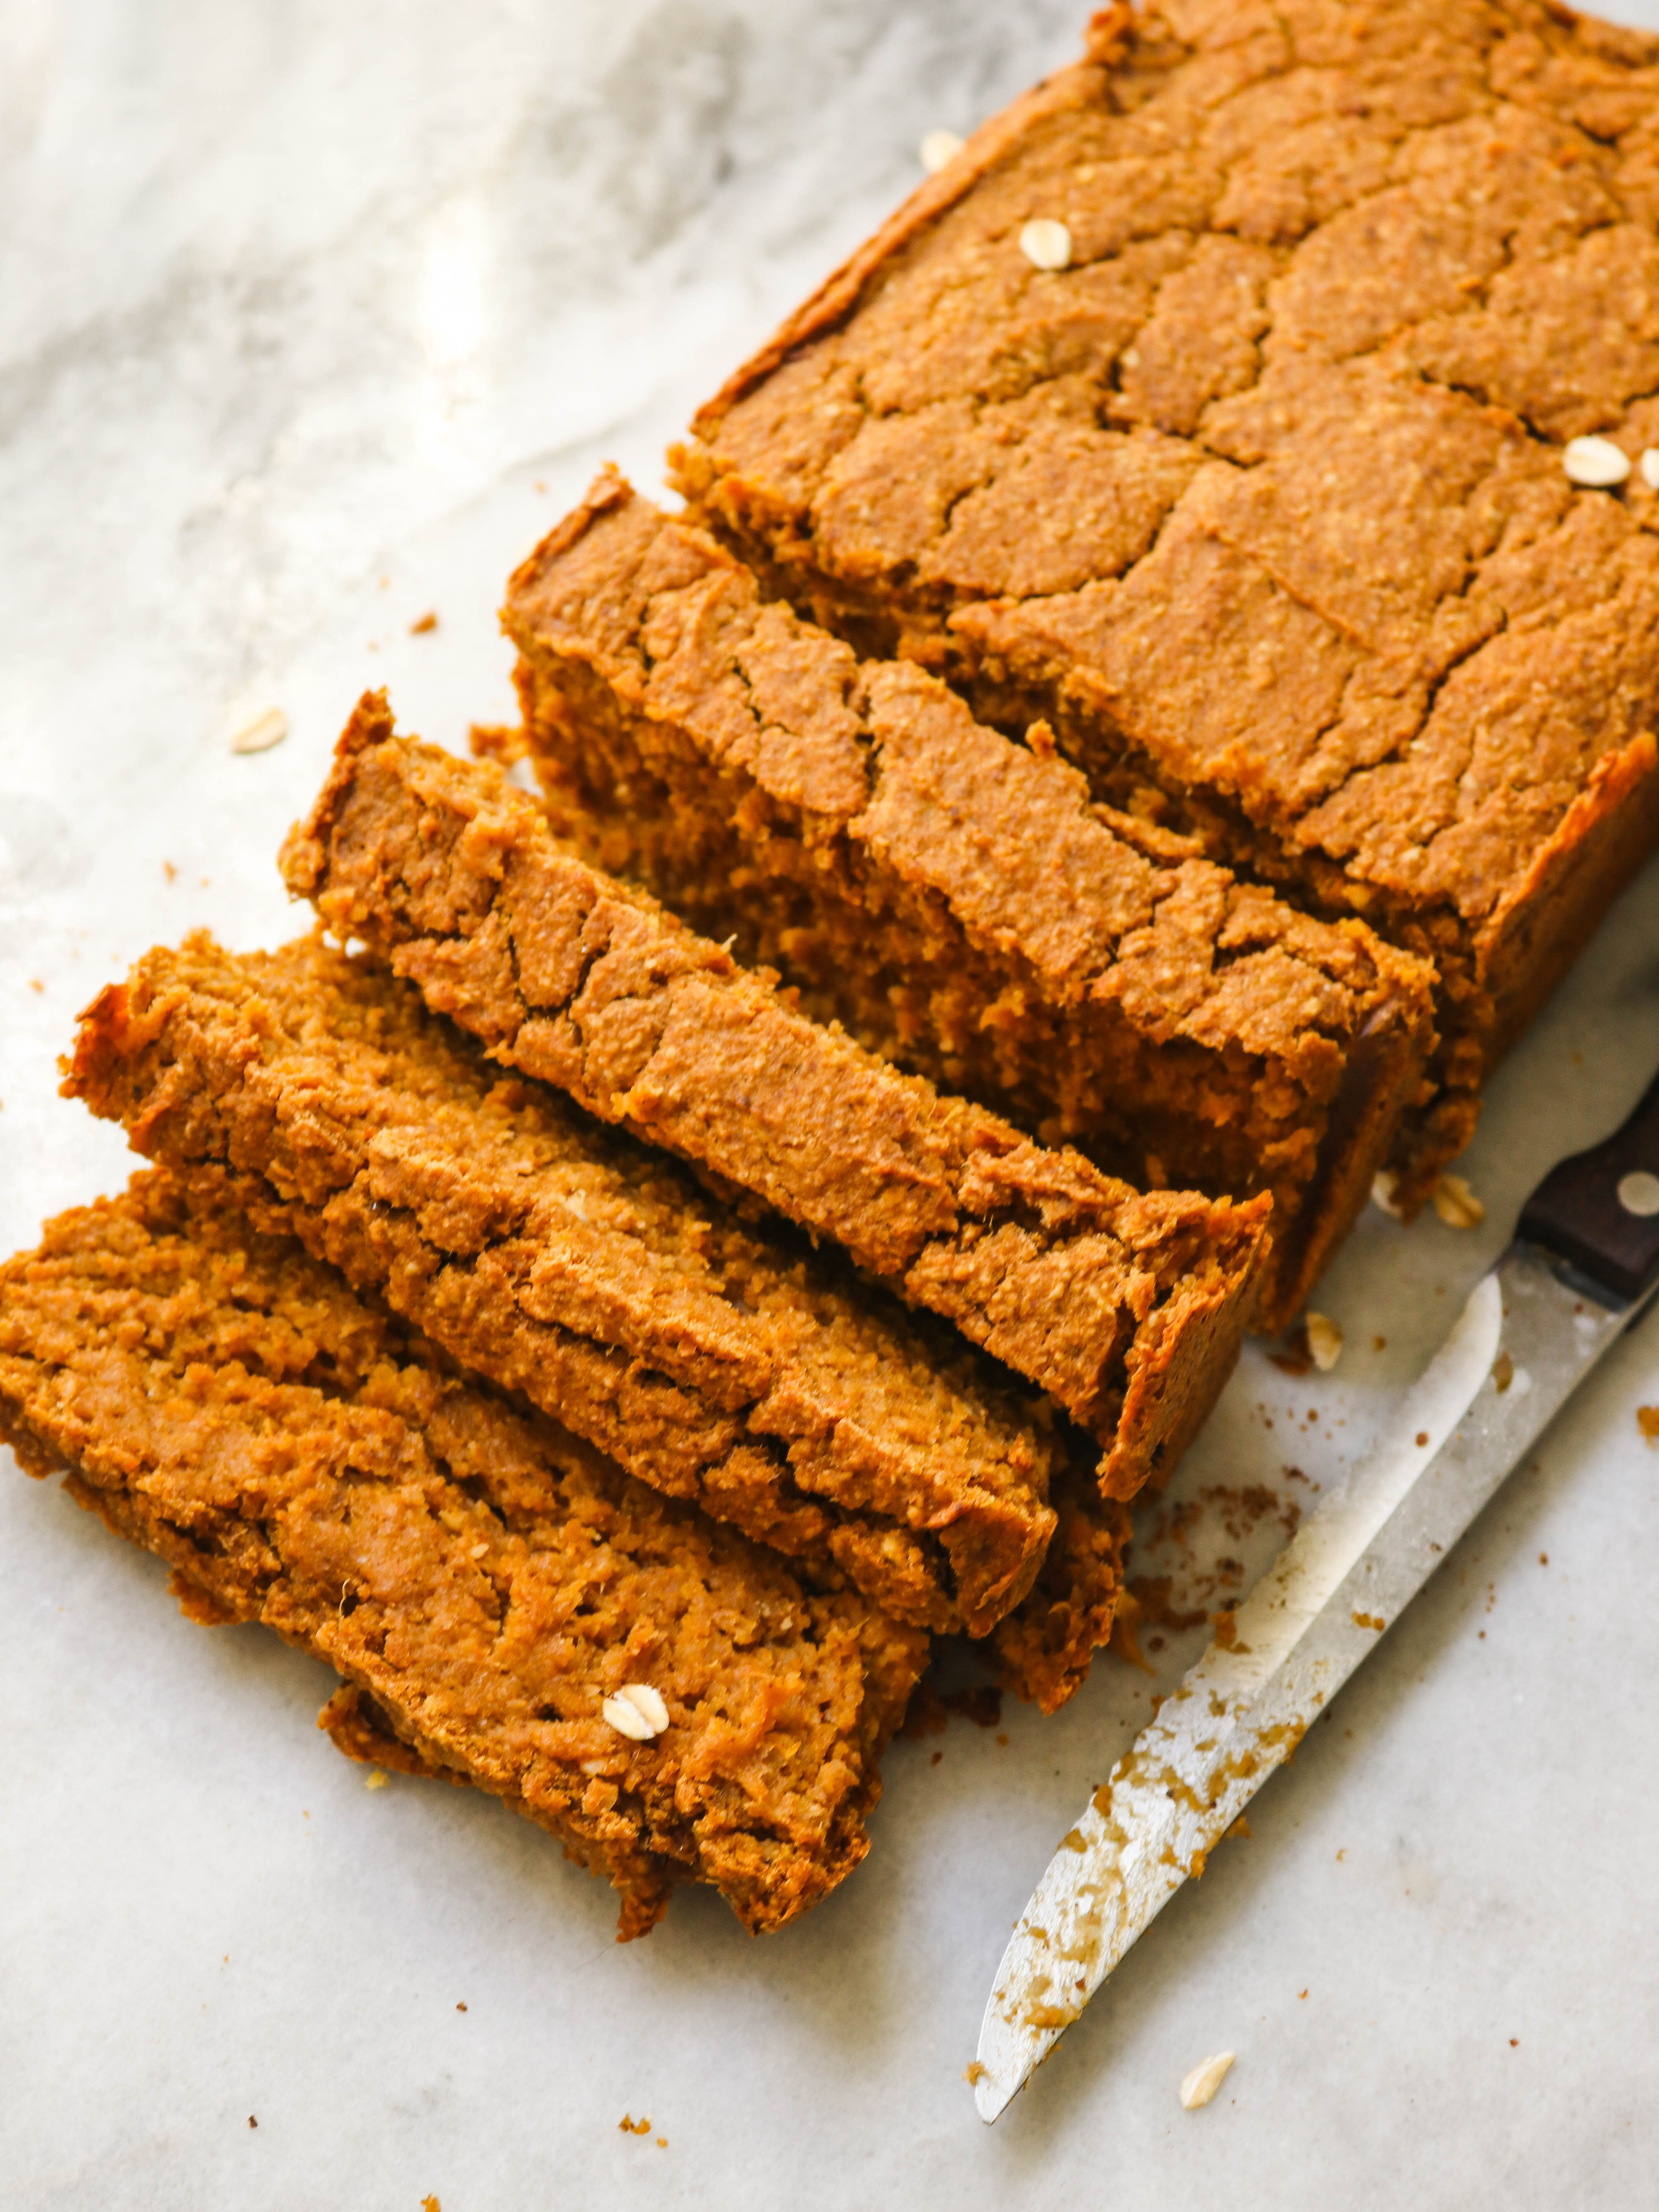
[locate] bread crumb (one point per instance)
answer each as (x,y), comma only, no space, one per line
(630,2126)
(422,623)
(1201,2084)
(662,2143)
(1456,1204)
(1324,1341)
(1647,1419)
(35,984)
(939,149)
(375,1778)
(460,2008)
(1382,1189)
(974,2072)
(1046,244)
(1596,462)
(1296,1358)
(502,742)
(252,2122)
(430,2204)
(258,730)
(1503,1372)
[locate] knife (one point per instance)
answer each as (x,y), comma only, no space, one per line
(1584,1263)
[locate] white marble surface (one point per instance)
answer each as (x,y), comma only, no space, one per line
(311,319)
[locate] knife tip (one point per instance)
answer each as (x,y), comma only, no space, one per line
(991,2099)
(993,2092)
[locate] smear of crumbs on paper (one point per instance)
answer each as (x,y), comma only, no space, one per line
(1647,1419)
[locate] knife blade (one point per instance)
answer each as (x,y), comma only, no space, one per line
(1583,1265)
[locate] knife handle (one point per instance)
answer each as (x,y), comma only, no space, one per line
(1598,1210)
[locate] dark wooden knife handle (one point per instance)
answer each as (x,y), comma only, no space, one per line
(1599,1210)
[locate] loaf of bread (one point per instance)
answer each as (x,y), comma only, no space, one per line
(1213,406)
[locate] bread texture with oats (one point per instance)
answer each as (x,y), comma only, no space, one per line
(1128,1308)
(483,1580)
(717,1359)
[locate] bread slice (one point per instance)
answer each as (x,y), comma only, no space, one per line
(712,1359)
(484,1581)
(955,898)
(1126,1307)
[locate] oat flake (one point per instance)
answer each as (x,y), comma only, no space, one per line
(1324,1341)
(647,1702)
(1596,463)
(1046,244)
(1201,2084)
(258,731)
(939,149)
(1456,1204)
(636,1711)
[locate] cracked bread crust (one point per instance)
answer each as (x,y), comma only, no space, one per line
(1260,501)
(313,1093)
(1070,1276)
(954,897)
(482,1579)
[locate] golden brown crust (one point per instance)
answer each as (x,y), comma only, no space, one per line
(313,1092)
(953,896)
(1062,1273)
(482,1579)
(1260,501)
